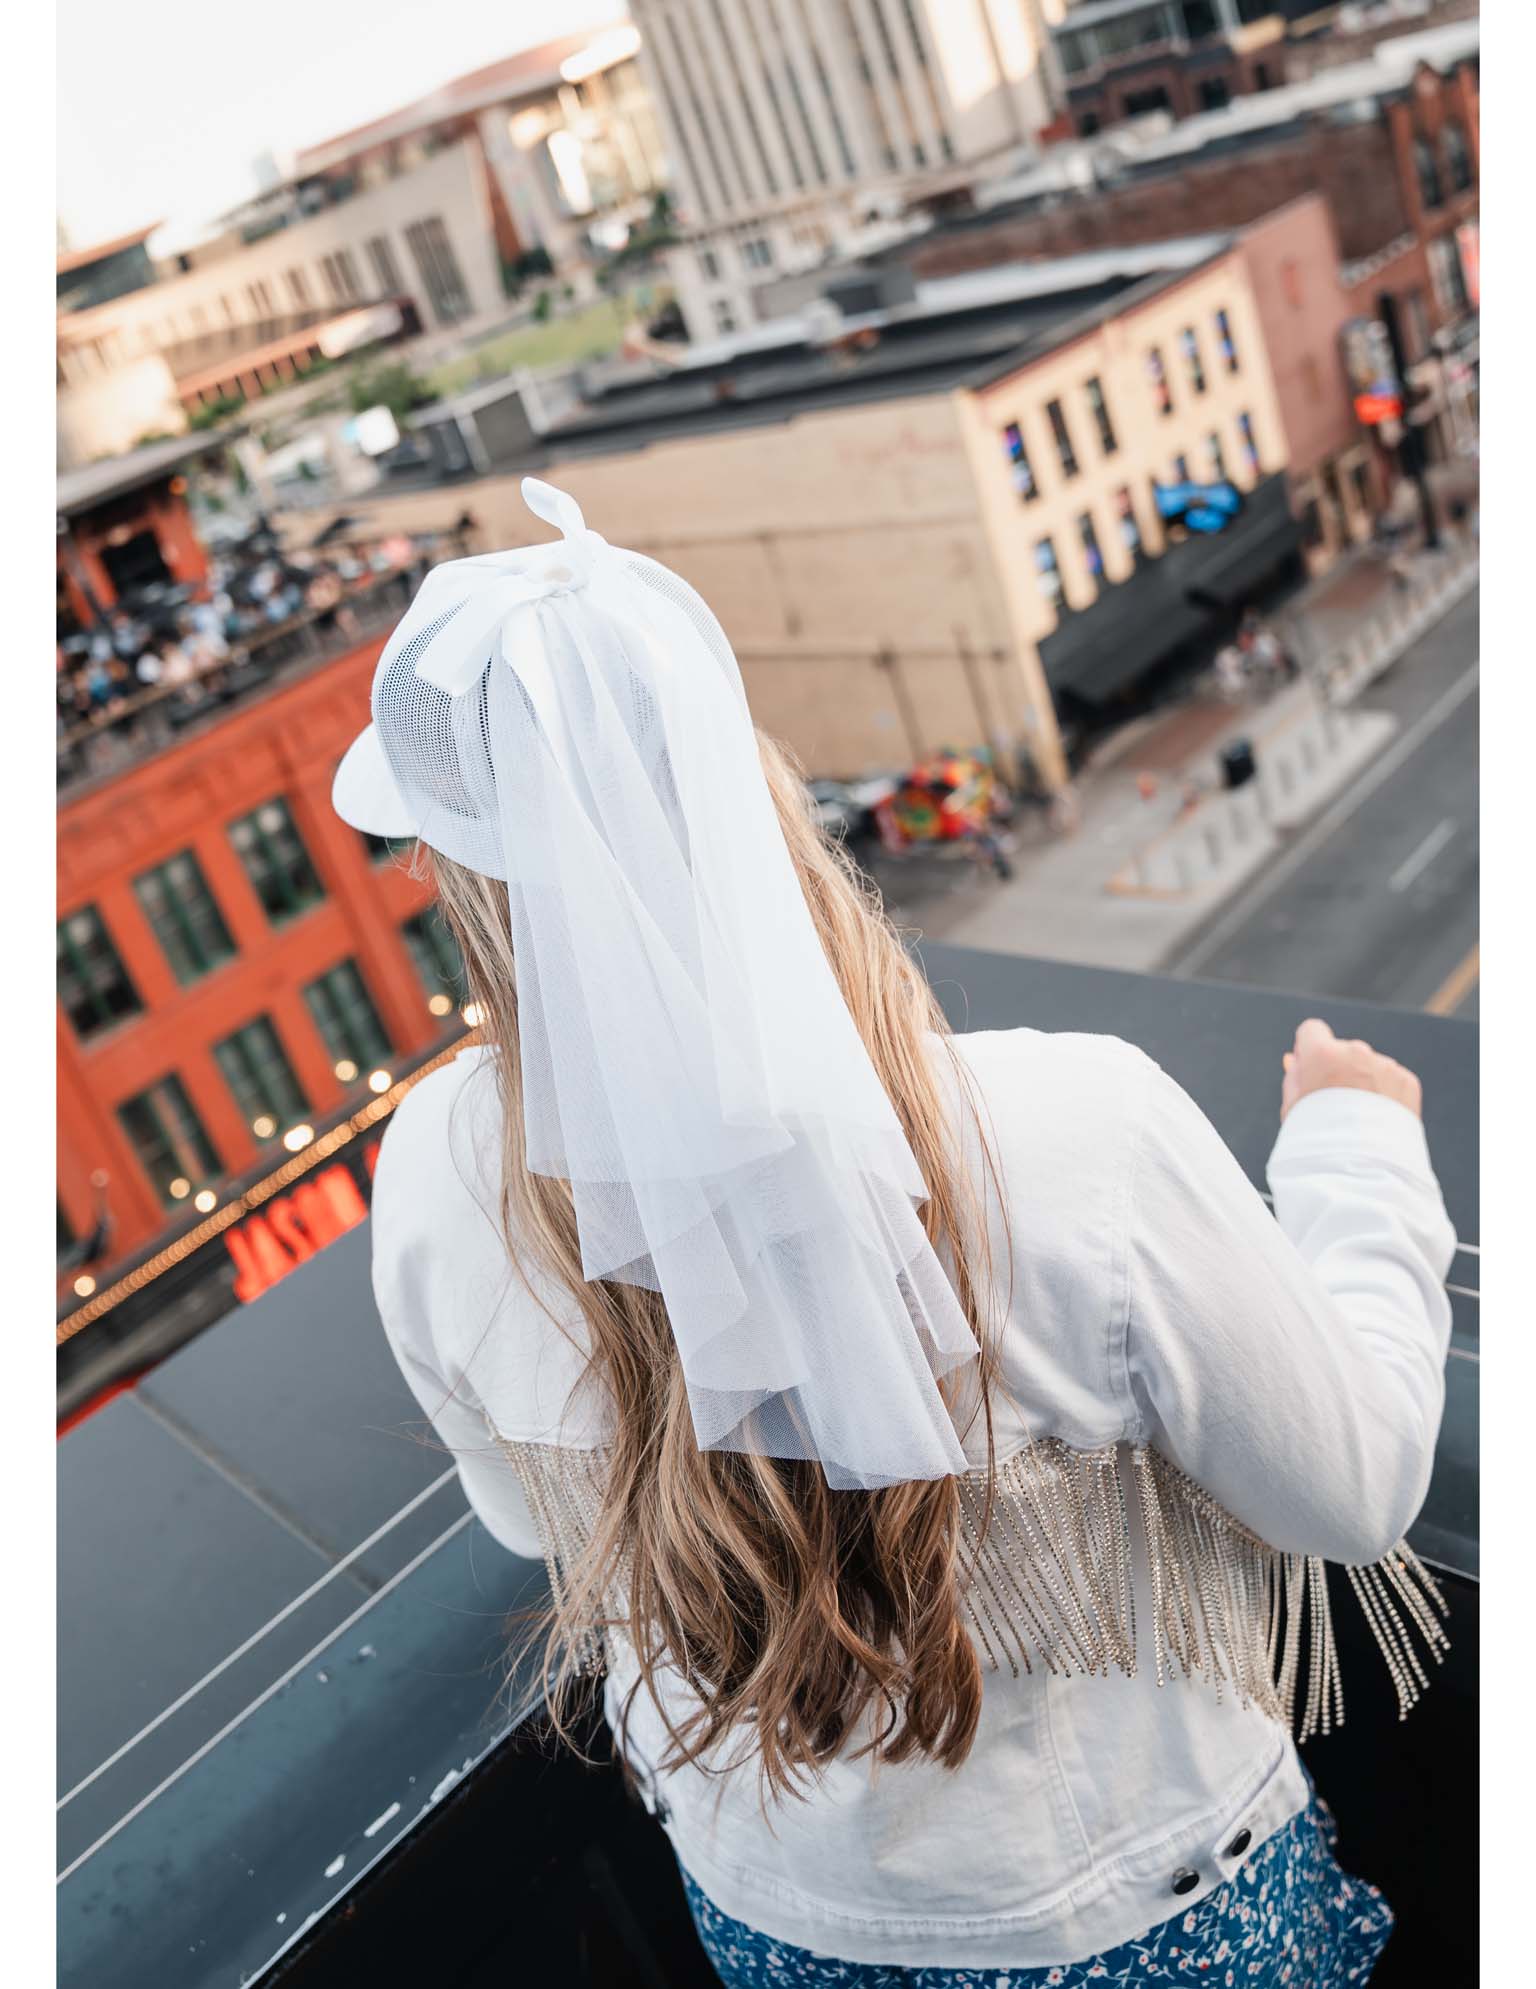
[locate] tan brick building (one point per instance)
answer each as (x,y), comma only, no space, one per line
(867,541)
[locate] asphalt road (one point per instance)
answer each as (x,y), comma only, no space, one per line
(1378,898)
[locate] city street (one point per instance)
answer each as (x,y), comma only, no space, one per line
(1378,898)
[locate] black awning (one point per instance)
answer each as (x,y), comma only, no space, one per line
(1184,595)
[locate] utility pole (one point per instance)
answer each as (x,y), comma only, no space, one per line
(1411,458)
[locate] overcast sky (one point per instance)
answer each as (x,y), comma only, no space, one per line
(164,105)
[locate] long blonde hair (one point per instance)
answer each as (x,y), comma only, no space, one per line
(793,1612)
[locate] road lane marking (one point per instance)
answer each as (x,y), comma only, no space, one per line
(1455,988)
(1325,825)
(1422,857)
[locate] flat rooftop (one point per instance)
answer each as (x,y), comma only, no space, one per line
(954,329)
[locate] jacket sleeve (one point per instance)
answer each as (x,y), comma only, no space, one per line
(1292,1364)
(491,1486)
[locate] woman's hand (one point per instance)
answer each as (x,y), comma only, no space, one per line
(1321,1062)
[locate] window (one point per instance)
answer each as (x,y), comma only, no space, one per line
(1108,441)
(1130,530)
(1427,167)
(1141,103)
(184,917)
(1088,125)
(385,269)
(93,983)
(1458,159)
(709,266)
(1214,94)
(1181,469)
(433,252)
(261,1078)
(438,961)
(348,1022)
(1090,539)
(275,860)
(298,288)
(1216,457)
(1189,345)
(1018,463)
(1445,275)
(1416,313)
(168,1138)
(1250,443)
(1199,18)
(1156,372)
(1064,447)
(725,317)
(756,253)
(1226,345)
(1263,79)
(1048,572)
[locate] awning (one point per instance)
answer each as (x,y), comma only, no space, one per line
(1178,598)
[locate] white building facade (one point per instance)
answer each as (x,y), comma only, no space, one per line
(792,125)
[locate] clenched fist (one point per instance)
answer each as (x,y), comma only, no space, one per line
(1321,1062)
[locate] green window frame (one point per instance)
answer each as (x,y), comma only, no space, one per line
(348,1022)
(435,954)
(184,916)
(165,1132)
(276,861)
(258,1073)
(93,983)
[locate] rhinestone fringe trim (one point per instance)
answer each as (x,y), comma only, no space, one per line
(1049,1581)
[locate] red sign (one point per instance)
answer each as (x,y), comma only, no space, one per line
(290,1228)
(1378,407)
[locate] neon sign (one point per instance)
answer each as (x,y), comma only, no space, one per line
(292,1228)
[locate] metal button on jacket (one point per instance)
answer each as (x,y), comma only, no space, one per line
(1239,1843)
(1184,1880)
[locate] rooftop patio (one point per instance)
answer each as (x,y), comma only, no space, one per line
(288,1749)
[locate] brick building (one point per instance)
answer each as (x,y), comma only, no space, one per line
(123,524)
(234,962)
(1126,58)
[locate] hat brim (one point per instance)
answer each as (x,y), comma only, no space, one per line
(365,794)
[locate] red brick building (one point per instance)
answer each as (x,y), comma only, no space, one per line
(234,961)
(124,523)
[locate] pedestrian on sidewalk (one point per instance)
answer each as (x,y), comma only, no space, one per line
(926,1434)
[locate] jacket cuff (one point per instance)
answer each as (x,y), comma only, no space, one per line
(1341,1123)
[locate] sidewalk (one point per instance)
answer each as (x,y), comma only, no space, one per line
(1160,844)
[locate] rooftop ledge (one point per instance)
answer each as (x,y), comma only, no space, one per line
(287,1750)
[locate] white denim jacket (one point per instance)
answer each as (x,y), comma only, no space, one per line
(1288,1367)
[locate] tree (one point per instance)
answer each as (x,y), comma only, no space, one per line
(391,384)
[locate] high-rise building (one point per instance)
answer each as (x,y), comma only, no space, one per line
(793,125)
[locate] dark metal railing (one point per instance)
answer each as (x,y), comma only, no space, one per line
(131,730)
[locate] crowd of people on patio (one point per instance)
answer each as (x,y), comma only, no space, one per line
(184,639)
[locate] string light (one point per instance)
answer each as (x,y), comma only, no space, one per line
(85,1284)
(440,1004)
(181,1187)
(320,1150)
(471,1014)
(264,1127)
(379,1080)
(346,1070)
(204,1200)
(298,1137)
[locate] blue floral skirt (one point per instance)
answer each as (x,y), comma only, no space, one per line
(1289,1916)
